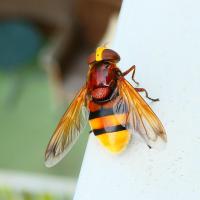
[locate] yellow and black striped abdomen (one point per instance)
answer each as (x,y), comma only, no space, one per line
(110,128)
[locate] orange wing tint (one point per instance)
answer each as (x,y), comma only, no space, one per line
(140,116)
(67,131)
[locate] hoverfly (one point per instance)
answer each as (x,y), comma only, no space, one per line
(116,110)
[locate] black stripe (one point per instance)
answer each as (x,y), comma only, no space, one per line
(108,111)
(109,129)
(101,113)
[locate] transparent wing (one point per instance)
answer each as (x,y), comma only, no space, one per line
(68,130)
(140,116)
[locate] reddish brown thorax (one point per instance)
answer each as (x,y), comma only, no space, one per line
(102,77)
(101,80)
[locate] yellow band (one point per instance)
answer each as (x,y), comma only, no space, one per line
(106,121)
(99,52)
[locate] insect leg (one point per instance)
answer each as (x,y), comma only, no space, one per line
(146,94)
(133,68)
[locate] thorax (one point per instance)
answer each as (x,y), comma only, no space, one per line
(102,81)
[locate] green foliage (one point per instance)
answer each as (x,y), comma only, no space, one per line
(8,194)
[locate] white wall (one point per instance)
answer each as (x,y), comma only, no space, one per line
(163,39)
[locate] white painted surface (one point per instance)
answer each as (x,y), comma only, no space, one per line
(163,39)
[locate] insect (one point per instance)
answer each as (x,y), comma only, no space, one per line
(115,110)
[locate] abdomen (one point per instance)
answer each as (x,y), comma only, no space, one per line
(108,127)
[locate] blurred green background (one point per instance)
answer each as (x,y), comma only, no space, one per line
(27,116)
(27,122)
